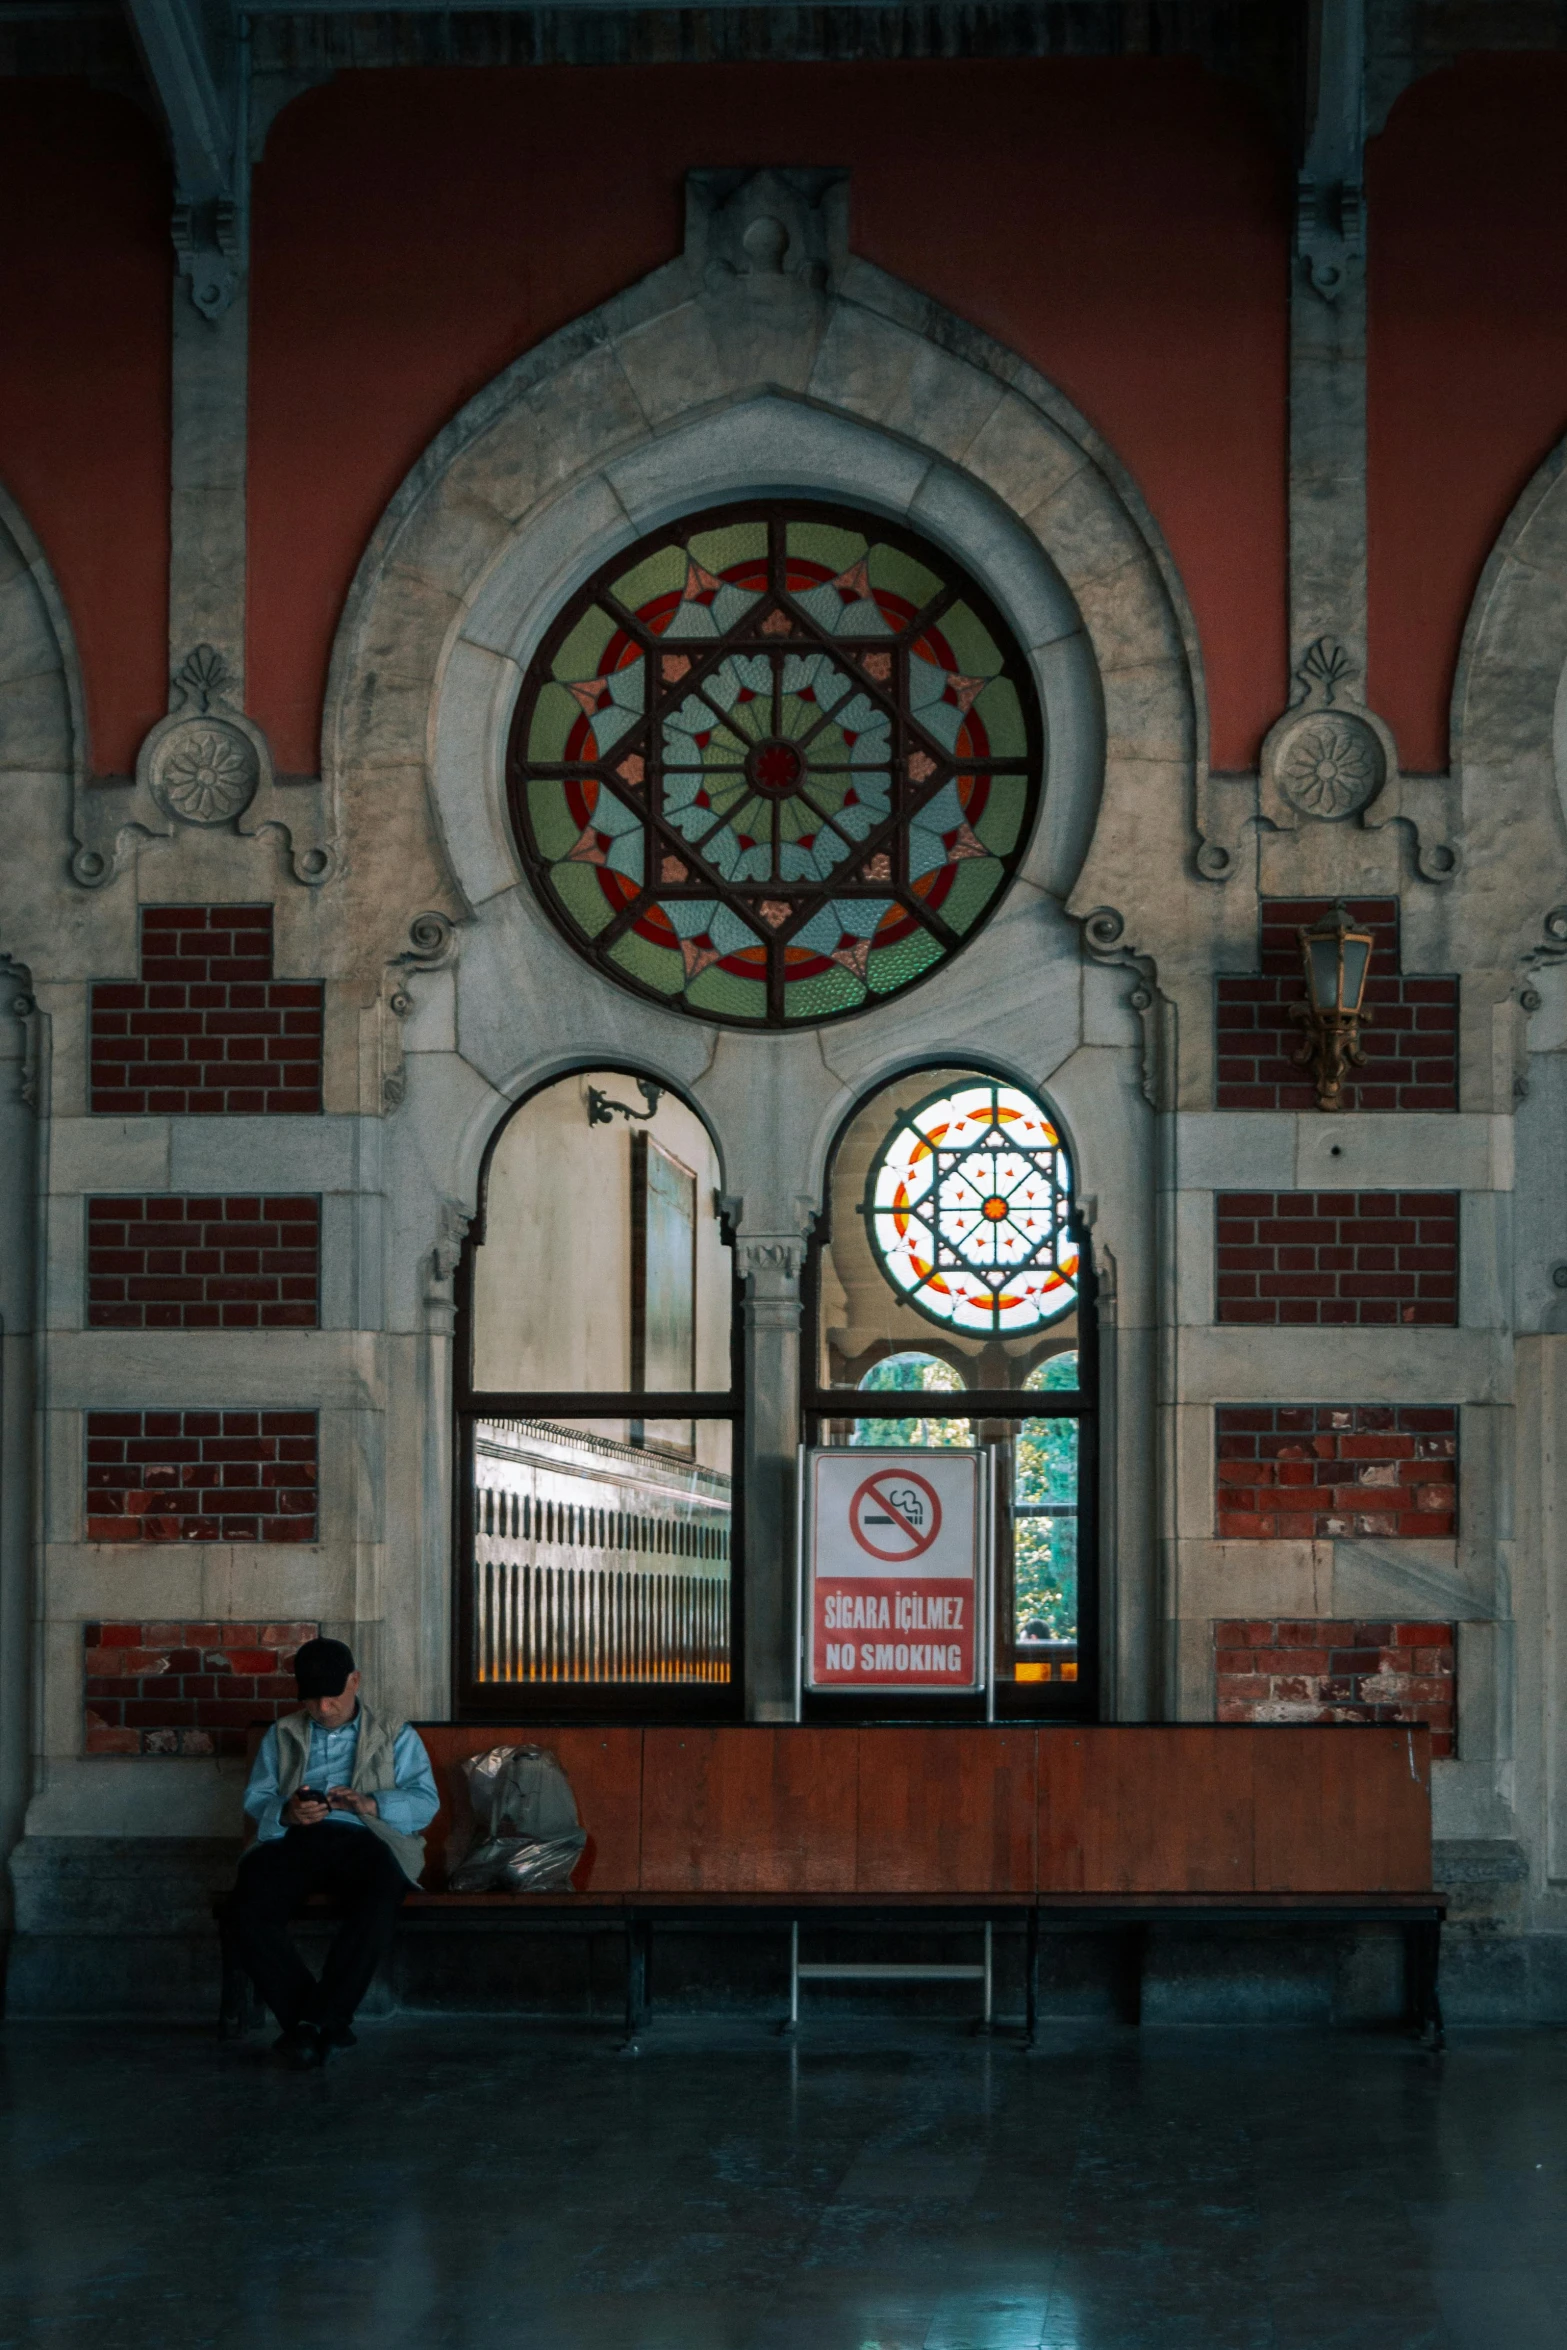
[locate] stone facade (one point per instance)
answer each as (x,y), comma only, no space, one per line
(304,1005)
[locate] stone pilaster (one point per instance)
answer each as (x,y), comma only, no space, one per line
(209,413)
(1327,560)
(770,1288)
(19,1040)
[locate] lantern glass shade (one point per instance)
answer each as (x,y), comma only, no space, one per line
(1322,962)
(1337,959)
(1357,955)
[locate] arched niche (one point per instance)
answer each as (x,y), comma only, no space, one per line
(766,365)
(597,1408)
(951,1300)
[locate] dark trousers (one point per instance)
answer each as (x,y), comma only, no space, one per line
(356,1870)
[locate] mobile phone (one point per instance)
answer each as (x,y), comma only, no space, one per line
(308,1795)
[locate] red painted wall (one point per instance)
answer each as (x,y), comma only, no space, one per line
(1467,380)
(85,274)
(1123,224)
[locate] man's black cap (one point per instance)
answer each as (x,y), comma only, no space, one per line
(322,1668)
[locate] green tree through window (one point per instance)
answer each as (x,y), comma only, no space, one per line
(896,1372)
(1044,1547)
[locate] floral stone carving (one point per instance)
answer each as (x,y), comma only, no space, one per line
(206,765)
(1329,765)
(205,772)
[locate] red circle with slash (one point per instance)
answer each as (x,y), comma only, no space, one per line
(896,1506)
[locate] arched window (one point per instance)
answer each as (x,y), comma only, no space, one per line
(596,1399)
(952,1265)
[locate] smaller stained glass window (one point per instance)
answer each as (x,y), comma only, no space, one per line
(969,1207)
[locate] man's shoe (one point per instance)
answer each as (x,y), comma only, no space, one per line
(301,2049)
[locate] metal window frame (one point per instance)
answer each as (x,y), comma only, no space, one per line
(1023,1701)
(561,1702)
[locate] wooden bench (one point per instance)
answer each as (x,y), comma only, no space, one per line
(1125,1827)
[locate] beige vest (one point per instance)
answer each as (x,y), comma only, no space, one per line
(374,1772)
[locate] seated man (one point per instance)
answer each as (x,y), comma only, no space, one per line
(339,1800)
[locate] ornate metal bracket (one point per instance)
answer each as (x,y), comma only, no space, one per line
(603,1112)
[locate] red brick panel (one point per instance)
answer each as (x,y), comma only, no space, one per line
(1306,1472)
(201,1476)
(186,1688)
(1410,1038)
(166,1263)
(1337,1256)
(1338,1672)
(206,1028)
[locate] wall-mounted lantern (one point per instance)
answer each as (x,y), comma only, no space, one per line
(1336,953)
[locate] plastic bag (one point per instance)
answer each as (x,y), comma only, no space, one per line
(529,1838)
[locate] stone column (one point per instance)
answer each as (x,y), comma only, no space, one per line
(1327,492)
(770,1288)
(19,1026)
(209,413)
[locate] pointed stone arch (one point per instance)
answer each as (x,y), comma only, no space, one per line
(765,359)
(1509,733)
(769,361)
(43,724)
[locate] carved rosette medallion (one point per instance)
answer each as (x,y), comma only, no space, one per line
(1329,765)
(205,771)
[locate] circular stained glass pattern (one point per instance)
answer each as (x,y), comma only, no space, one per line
(968,1206)
(774,764)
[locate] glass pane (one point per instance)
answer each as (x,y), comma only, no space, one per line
(603,1264)
(1042,1618)
(949,1235)
(913,1372)
(599,1559)
(1324,972)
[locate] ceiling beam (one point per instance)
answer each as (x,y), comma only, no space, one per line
(195,55)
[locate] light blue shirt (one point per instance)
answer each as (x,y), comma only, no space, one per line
(408,1806)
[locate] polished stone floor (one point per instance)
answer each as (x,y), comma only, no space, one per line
(460,2185)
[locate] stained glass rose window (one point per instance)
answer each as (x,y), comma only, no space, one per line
(968,1205)
(774,764)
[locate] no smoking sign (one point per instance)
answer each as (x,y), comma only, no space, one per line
(895,1515)
(892,1570)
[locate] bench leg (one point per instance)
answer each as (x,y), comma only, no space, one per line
(639,1954)
(1134,1953)
(986,1972)
(791,2022)
(1031,1981)
(1433,1991)
(1422,1963)
(233,2000)
(237,2002)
